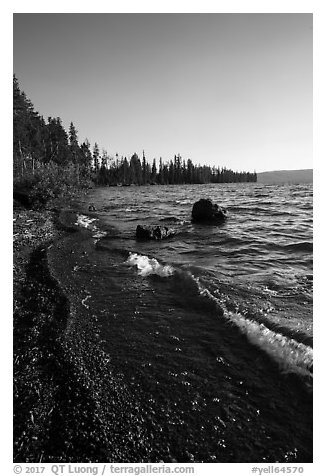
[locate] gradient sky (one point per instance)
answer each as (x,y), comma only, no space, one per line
(222,89)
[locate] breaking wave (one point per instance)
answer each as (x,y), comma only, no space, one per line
(85,221)
(147,266)
(290,355)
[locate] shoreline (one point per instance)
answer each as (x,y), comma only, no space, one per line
(41,311)
(62,377)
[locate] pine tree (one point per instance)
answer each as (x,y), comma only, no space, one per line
(104,159)
(96,155)
(58,145)
(171,175)
(126,179)
(136,169)
(153,172)
(73,144)
(29,132)
(144,170)
(160,174)
(86,158)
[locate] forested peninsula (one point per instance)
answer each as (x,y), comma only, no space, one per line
(50,162)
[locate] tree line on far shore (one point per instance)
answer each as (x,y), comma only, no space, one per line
(50,160)
(121,171)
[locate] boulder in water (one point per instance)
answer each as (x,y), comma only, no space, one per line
(153,232)
(205,211)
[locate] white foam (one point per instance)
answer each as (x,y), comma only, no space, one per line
(85,221)
(183,202)
(147,266)
(99,233)
(88,222)
(292,356)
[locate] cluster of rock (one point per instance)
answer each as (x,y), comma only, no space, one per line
(204,211)
(153,232)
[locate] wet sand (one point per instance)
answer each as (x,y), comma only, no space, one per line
(62,379)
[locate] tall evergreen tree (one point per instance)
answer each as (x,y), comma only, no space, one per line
(136,169)
(126,175)
(86,158)
(160,174)
(58,146)
(73,144)
(153,172)
(29,132)
(96,155)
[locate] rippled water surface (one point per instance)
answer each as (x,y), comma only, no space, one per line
(265,247)
(213,327)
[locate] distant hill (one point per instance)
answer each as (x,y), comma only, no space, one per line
(285,176)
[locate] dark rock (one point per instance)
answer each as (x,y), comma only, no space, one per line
(204,211)
(153,232)
(91,208)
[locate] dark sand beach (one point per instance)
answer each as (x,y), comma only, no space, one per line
(61,377)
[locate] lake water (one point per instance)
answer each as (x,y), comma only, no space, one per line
(211,330)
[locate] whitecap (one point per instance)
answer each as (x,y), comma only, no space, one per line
(99,233)
(147,266)
(85,221)
(291,356)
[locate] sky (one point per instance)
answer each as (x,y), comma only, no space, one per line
(233,90)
